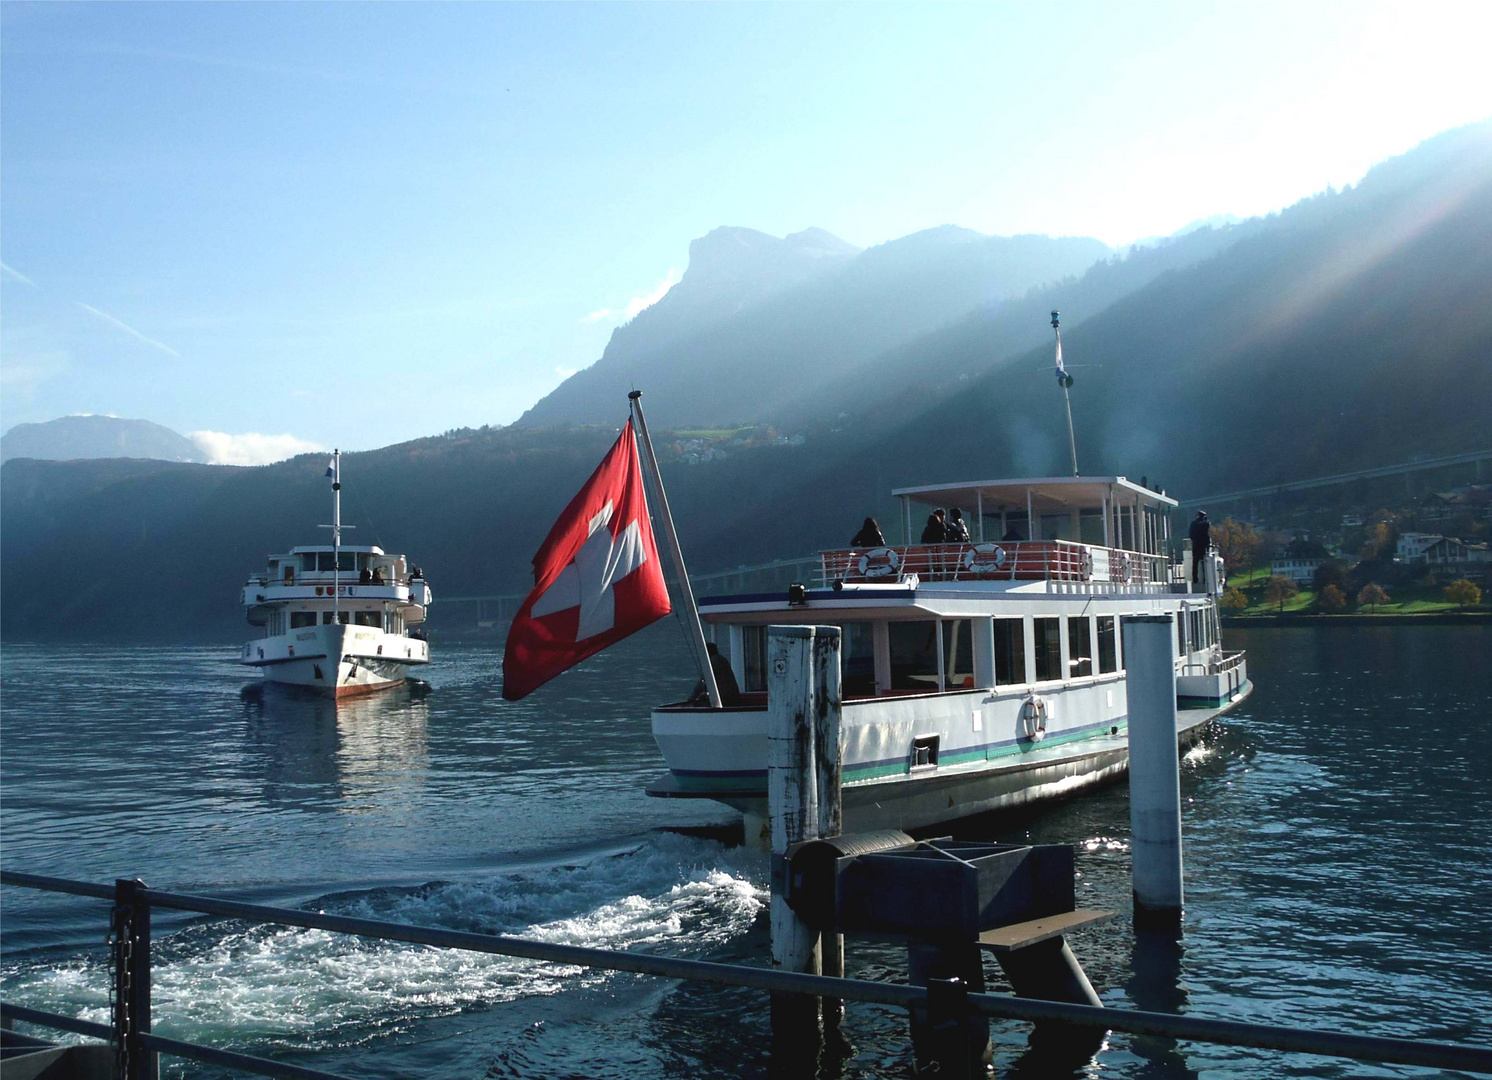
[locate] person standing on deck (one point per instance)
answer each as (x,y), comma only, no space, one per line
(869,536)
(936,531)
(958,529)
(725,681)
(1201,537)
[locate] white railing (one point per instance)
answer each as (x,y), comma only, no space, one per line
(1015,560)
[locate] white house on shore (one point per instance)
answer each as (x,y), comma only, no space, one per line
(1299,569)
(1432,549)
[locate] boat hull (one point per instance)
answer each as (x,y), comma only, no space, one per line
(336,661)
(992,767)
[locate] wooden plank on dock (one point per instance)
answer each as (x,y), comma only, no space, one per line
(1019,935)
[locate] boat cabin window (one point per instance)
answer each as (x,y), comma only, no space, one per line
(1079,646)
(299,619)
(1108,654)
(1091,526)
(1010,651)
(914,655)
(858,660)
(958,654)
(754,659)
(1056,527)
(1048,649)
(368,618)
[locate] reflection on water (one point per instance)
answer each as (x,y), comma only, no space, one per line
(1155,985)
(1338,833)
(319,753)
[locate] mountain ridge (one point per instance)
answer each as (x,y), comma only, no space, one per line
(1352,330)
(765,345)
(86,436)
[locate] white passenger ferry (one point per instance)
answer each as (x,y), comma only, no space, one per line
(337,619)
(978,675)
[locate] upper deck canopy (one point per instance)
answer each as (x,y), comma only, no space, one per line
(308,549)
(1050,494)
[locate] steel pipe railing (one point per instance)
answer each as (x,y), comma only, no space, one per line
(1162,1025)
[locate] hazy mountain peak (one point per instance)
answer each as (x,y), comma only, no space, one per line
(732,253)
(820,243)
(70,438)
(938,235)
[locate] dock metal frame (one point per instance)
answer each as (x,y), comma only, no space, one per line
(137,1047)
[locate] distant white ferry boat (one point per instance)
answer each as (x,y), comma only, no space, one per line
(976,675)
(338,620)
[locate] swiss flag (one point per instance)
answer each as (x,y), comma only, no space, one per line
(596,577)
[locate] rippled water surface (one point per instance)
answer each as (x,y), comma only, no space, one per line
(1338,831)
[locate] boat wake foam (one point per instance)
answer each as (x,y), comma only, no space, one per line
(228,983)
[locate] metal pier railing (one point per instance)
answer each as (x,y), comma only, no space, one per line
(137,1047)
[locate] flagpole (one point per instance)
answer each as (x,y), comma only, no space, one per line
(336,535)
(1065,381)
(691,623)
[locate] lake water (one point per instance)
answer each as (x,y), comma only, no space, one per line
(1338,854)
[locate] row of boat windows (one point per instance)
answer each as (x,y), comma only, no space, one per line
(1146,531)
(281,622)
(915,654)
(1092,649)
(347,562)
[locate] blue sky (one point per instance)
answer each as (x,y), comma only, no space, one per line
(355,224)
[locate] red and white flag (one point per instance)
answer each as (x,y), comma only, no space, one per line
(597,577)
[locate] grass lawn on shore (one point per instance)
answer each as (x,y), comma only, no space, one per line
(1404,600)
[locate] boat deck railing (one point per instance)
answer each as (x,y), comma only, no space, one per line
(1013,560)
(1216,663)
(324,577)
(136,1045)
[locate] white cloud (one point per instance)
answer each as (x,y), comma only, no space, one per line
(637,304)
(130,330)
(13,272)
(250,448)
(564,372)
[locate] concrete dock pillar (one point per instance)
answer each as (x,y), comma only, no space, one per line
(828,747)
(793,806)
(1154,770)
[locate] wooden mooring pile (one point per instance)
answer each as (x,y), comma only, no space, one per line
(947,901)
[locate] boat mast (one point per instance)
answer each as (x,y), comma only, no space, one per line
(334,470)
(1064,380)
(692,625)
(336,533)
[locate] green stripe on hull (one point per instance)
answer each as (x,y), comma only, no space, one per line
(992,753)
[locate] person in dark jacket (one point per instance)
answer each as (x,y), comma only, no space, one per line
(936,531)
(1201,536)
(869,535)
(725,681)
(958,529)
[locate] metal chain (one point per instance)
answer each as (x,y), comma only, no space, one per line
(121,968)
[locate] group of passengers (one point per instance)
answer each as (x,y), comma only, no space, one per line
(943,527)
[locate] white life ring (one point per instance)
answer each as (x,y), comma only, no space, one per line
(984,559)
(1033,718)
(1118,566)
(878,562)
